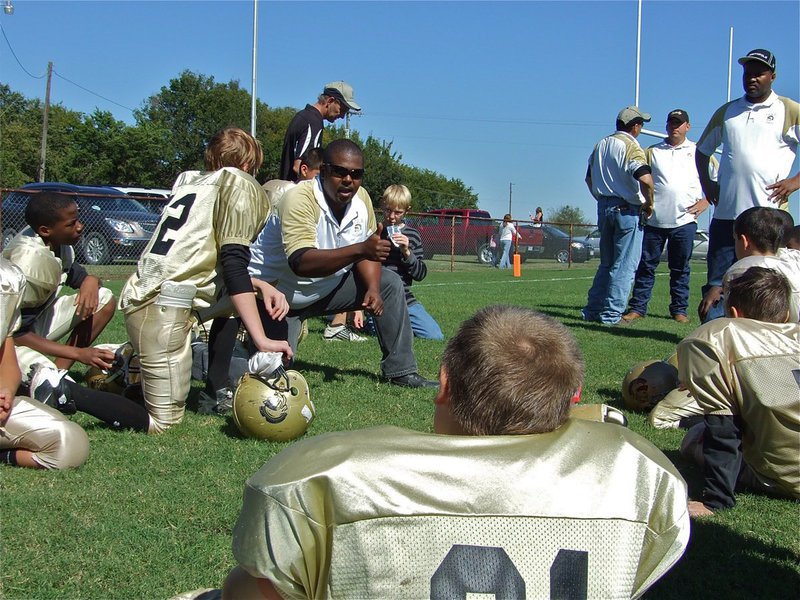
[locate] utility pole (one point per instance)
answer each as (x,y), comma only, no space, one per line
(347,125)
(510,185)
(43,151)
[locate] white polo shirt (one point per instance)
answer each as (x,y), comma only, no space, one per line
(304,220)
(677,185)
(613,162)
(759,146)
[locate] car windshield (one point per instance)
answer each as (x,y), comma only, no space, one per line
(115,204)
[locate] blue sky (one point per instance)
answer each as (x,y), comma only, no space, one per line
(488,92)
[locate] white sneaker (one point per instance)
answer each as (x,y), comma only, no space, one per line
(46,386)
(342,332)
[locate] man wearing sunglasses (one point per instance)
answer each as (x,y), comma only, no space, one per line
(324,253)
(305,129)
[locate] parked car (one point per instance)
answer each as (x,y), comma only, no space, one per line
(547,241)
(116,227)
(699,251)
(153,199)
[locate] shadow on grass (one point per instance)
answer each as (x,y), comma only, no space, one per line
(721,563)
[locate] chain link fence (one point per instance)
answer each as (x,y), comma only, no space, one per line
(118,225)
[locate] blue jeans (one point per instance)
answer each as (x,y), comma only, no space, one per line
(721,256)
(620,249)
(506,248)
(680,243)
(422,324)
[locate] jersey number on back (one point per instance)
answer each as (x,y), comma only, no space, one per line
(489,570)
(161,245)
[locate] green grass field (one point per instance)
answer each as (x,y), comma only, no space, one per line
(149,517)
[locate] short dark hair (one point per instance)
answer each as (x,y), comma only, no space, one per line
(629,127)
(793,236)
(44,208)
(511,370)
(763,227)
(788,226)
(760,293)
(312,158)
(343,146)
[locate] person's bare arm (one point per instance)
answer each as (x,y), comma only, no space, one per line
(370,273)
(781,190)
(315,262)
(93,357)
(10,377)
(647,188)
(710,187)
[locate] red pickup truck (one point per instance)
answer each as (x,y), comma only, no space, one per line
(459,231)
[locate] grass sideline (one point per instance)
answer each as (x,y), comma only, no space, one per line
(151,516)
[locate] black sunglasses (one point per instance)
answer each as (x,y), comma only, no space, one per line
(342,172)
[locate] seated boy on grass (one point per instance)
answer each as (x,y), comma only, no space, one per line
(744,372)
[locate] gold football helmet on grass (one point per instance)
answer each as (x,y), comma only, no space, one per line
(276,408)
(647,383)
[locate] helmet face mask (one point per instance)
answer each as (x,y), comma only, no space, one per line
(276,408)
(646,384)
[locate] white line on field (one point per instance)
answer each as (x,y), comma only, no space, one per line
(419,285)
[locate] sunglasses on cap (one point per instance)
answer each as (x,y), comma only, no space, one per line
(342,172)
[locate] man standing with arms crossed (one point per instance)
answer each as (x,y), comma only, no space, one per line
(759,133)
(678,201)
(619,179)
(305,128)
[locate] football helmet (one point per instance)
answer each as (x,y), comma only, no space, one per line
(124,371)
(276,408)
(647,383)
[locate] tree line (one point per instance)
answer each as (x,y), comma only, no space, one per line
(169,135)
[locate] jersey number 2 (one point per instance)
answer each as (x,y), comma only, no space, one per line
(489,570)
(161,246)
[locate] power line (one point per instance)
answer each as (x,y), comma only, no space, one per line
(60,76)
(14,54)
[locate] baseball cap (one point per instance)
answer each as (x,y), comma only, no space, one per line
(629,113)
(760,55)
(341,90)
(679,115)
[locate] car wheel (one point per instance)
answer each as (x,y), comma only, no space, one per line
(8,235)
(562,256)
(96,250)
(485,254)
(426,255)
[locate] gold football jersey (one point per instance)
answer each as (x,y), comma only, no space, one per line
(12,285)
(44,271)
(752,369)
(207,211)
(591,509)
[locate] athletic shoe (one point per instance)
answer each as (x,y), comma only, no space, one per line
(47,386)
(680,318)
(414,380)
(303,333)
(221,404)
(342,332)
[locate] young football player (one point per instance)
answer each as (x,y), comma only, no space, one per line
(406,257)
(743,373)
(31,434)
(202,241)
(45,254)
(222,373)
(509,497)
(758,234)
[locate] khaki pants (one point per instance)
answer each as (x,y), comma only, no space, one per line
(161,335)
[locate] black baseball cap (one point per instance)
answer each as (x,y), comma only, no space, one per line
(760,55)
(678,115)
